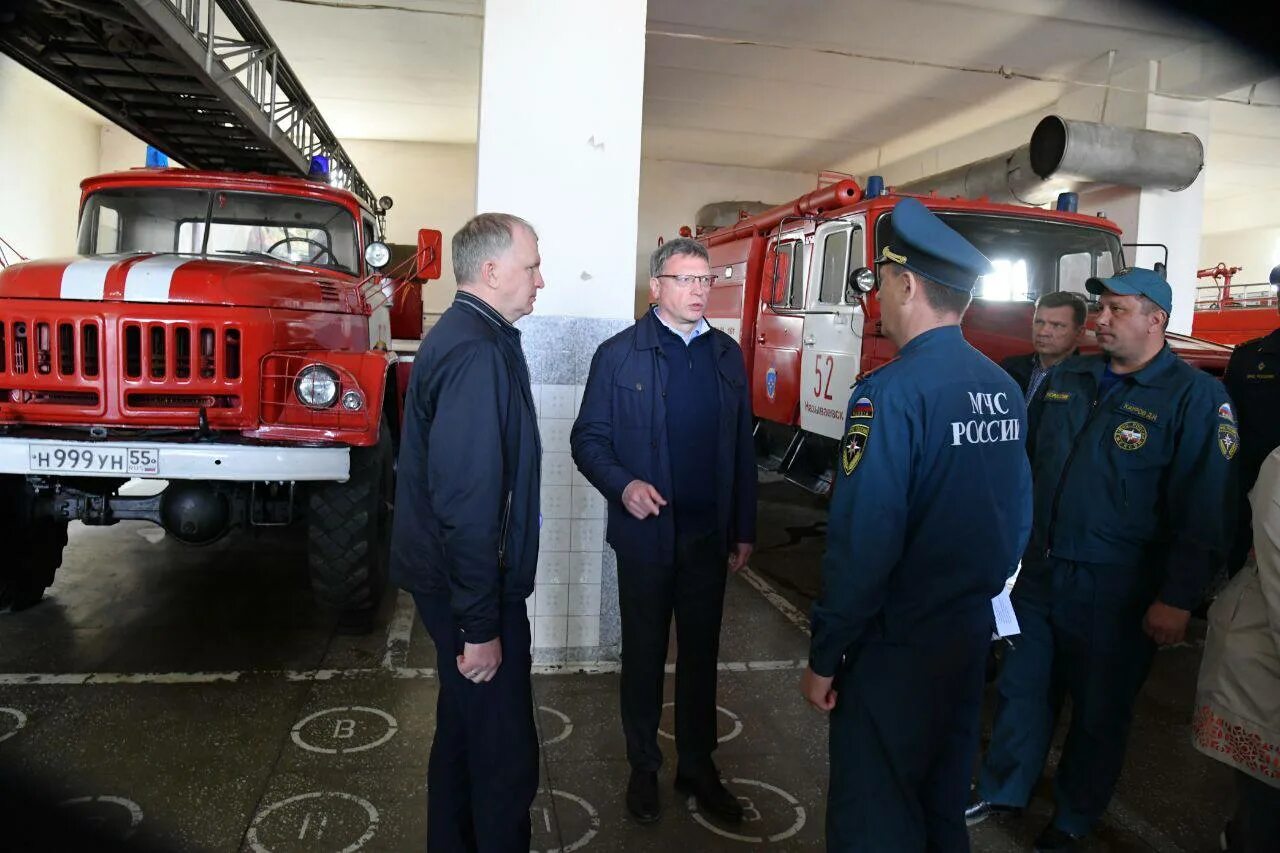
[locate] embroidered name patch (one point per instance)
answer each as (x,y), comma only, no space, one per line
(1130,435)
(1135,409)
(863,408)
(855,442)
(1057,396)
(1228,440)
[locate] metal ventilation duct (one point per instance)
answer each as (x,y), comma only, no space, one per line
(1065,155)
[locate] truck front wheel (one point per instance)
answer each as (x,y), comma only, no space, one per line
(33,547)
(349,536)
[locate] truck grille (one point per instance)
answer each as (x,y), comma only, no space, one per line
(38,347)
(162,351)
(43,360)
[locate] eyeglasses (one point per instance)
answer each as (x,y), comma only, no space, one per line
(690,280)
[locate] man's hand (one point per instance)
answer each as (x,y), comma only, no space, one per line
(739,555)
(479,662)
(1164,624)
(641,499)
(817,689)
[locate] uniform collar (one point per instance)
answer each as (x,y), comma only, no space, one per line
(484,309)
(1270,343)
(1152,375)
(938,335)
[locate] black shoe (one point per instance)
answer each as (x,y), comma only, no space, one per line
(981,810)
(642,796)
(711,794)
(1054,840)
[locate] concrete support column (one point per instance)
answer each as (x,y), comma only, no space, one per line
(561,97)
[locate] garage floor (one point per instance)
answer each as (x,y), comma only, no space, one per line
(195,699)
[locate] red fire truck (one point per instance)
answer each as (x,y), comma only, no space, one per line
(794,291)
(228,333)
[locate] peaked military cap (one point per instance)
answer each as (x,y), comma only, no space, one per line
(1136,281)
(927,246)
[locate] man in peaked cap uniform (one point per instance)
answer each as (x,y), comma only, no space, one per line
(930,513)
(1131,457)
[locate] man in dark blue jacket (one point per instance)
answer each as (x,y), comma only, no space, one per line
(664,433)
(1131,457)
(465,538)
(931,510)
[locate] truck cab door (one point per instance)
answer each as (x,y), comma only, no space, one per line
(776,373)
(833,328)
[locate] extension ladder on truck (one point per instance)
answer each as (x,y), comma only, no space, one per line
(200,80)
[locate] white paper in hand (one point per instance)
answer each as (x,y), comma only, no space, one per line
(1006,619)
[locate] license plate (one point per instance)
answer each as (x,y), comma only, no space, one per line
(94,459)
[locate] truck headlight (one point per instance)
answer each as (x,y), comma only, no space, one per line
(316,386)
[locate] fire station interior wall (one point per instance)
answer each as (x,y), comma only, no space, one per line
(48,144)
(1255,251)
(671,193)
(433,186)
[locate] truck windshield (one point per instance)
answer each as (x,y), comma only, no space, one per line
(218,222)
(1031,257)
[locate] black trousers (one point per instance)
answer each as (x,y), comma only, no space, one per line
(1256,824)
(483,772)
(693,589)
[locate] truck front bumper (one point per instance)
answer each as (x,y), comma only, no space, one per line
(159,460)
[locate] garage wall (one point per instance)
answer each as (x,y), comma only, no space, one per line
(671,193)
(1257,250)
(433,186)
(48,144)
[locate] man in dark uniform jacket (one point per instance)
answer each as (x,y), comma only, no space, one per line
(1131,455)
(930,513)
(465,538)
(1253,381)
(664,433)
(1056,330)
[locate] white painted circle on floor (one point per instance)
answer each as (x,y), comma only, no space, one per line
(732,733)
(109,819)
(541,816)
(563,718)
(307,825)
(8,730)
(754,815)
(347,733)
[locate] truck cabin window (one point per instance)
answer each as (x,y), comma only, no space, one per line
(1030,257)
(215,223)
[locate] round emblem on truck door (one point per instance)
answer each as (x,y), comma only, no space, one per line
(1130,435)
(771,382)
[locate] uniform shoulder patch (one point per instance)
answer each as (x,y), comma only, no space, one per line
(1130,435)
(1228,440)
(1224,412)
(863,409)
(1057,396)
(853,446)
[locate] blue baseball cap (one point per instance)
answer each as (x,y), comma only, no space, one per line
(924,244)
(1135,281)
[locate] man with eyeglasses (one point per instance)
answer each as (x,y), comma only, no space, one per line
(664,432)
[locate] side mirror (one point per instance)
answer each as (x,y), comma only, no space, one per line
(860,282)
(429,254)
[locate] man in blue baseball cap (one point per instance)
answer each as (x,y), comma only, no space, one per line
(1131,457)
(928,519)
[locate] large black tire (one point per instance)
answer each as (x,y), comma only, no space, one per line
(33,547)
(349,536)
